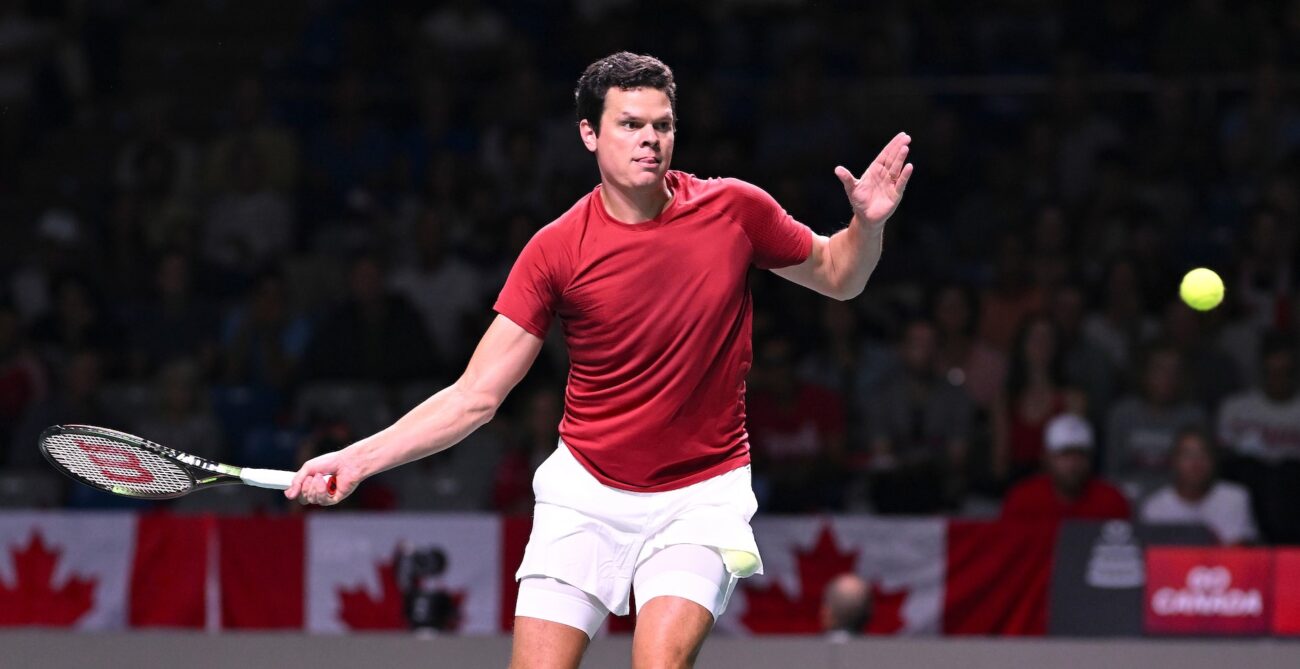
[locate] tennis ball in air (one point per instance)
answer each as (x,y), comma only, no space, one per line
(1201,289)
(739,563)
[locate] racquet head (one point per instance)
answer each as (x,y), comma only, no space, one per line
(125,464)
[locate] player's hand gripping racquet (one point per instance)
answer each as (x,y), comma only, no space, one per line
(124,464)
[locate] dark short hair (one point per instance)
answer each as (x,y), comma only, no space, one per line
(625,71)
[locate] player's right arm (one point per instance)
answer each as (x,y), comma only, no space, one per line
(504,355)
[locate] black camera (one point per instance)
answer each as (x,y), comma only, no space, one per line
(426,604)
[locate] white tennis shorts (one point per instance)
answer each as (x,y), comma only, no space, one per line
(594,537)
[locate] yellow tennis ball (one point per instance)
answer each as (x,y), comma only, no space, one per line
(739,563)
(1201,289)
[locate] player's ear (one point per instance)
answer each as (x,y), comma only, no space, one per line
(588,134)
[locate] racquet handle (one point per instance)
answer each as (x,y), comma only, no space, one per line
(278,479)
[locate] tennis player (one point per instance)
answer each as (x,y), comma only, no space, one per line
(649,489)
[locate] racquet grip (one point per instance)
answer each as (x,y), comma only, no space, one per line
(278,479)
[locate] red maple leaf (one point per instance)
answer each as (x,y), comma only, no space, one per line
(32,599)
(359,611)
(886,610)
(772,610)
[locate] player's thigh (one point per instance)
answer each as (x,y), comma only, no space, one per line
(681,590)
(545,644)
(670,631)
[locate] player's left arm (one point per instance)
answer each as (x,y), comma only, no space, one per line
(839,265)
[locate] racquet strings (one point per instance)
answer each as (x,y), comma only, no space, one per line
(118,467)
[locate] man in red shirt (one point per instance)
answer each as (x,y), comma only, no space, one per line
(649,489)
(1067,489)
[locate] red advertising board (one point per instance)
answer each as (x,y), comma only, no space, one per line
(1226,591)
(1286,607)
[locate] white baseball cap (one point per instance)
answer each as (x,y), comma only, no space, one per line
(1067,431)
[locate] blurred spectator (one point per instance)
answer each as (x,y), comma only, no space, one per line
(961,358)
(1264,423)
(24,41)
(465,27)
(61,247)
(846,607)
(1083,135)
(23,381)
(157,143)
(155,177)
(77,321)
(1068,488)
(262,343)
(534,439)
(1196,496)
(348,156)
(76,399)
(1261,429)
(1267,274)
(851,363)
(249,224)
(1011,298)
(796,434)
(442,287)
(1122,324)
(174,323)
(1209,374)
(1035,391)
(920,432)
(375,335)
(182,419)
(1141,428)
(1086,366)
(251,130)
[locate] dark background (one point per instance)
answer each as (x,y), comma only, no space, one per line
(259,230)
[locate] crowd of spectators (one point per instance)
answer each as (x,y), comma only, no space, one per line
(257,231)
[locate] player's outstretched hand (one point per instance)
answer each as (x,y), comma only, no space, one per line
(876,195)
(311,485)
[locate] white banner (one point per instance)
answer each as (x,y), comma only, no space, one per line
(903,560)
(379,571)
(66,570)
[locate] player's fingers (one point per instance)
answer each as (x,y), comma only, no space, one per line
(896,166)
(896,145)
(318,495)
(904,177)
(845,177)
(295,486)
(887,153)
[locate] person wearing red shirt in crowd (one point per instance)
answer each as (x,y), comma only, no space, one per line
(650,488)
(1067,489)
(796,432)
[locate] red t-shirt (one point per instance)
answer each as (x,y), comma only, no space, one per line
(1035,500)
(656,316)
(799,429)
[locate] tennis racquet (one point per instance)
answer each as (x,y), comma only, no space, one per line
(124,464)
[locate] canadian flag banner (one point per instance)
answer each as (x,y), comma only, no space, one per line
(66,570)
(331,572)
(903,560)
(103,570)
(399,571)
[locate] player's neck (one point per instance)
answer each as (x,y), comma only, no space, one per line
(627,205)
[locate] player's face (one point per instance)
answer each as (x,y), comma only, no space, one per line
(635,144)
